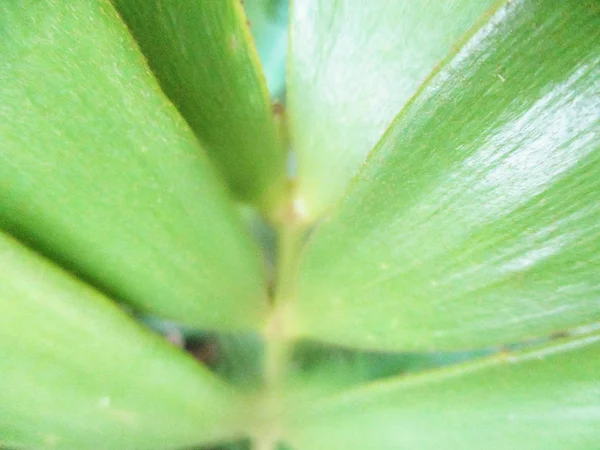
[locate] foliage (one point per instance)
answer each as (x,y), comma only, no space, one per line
(406,255)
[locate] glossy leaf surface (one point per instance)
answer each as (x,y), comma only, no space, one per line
(476,221)
(203,55)
(77,373)
(546,398)
(99,171)
(352,67)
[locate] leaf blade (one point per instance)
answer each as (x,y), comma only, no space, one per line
(547,396)
(78,373)
(353,66)
(204,57)
(98,171)
(474,223)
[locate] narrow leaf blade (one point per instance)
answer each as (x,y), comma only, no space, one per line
(76,372)
(352,67)
(476,220)
(547,398)
(99,171)
(204,57)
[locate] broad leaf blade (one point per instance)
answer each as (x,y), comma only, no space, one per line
(99,171)
(546,398)
(77,373)
(476,220)
(203,55)
(352,67)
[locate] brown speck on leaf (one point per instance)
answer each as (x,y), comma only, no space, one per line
(278,109)
(560,334)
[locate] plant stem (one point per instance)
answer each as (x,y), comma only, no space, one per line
(289,247)
(276,333)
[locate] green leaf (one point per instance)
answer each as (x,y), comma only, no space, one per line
(319,370)
(542,398)
(352,66)
(203,55)
(98,171)
(77,373)
(476,220)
